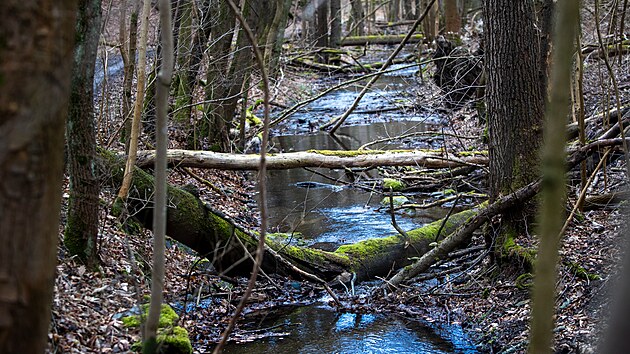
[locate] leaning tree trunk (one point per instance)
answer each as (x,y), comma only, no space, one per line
(80,235)
(36,50)
(515,101)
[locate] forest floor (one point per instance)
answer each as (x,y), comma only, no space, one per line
(88,306)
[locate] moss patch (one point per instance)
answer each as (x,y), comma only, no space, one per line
(391,184)
(398,200)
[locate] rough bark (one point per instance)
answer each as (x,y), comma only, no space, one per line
(515,101)
(36,50)
(217,75)
(335,23)
(81,231)
(453,19)
(316,158)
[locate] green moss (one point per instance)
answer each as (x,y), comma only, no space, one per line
(524,281)
(397,200)
(525,256)
(343,153)
(311,255)
(472,153)
(170,341)
(391,184)
(369,248)
(580,272)
(168,317)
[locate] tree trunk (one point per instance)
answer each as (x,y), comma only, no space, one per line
(36,50)
(321,29)
(356,18)
(393,15)
(515,101)
(137,112)
(430,25)
(80,235)
(335,23)
(453,19)
(128,54)
(317,158)
(184,78)
(275,35)
(217,79)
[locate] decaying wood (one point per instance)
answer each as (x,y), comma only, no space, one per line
(317,158)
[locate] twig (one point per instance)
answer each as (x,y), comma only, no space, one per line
(437,236)
(262,175)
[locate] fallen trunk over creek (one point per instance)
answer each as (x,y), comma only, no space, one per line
(214,236)
(318,158)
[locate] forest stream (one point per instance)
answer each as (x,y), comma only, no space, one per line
(327,213)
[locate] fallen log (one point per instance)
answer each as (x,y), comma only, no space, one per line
(386,39)
(317,158)
(225,244)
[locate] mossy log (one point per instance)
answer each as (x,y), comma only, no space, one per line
(214,236)
(318,158)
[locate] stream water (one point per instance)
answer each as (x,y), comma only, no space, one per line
(328,213)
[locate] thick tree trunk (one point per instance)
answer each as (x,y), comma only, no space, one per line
(80,235)
(36,51)
(217,75)
(453,19)
(184,78)
(321,29)
(430,25)
(515,102)
(316,158)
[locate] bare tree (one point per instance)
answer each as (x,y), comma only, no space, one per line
(159,211)
(551,214)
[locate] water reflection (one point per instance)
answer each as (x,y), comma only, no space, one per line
(318,329)
(331,211)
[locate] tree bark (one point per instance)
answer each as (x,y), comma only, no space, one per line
(335,23)
(36,50)
(80,235)
(316,158)
(515,101)
(452,17)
